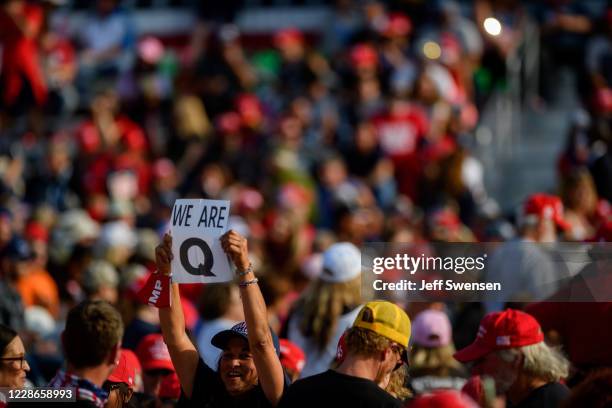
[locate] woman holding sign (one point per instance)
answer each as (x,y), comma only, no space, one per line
(249,371)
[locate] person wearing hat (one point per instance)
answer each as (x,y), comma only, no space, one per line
(249,369)
(510,348)
(100,281)
(376,345)
(156,363)
(432,365)
(327,308)
(121,383)
(524,269)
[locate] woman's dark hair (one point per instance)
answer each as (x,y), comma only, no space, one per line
(6,336)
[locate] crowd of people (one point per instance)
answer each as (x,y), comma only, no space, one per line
(322,142)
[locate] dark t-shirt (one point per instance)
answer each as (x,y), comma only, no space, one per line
(551,395)
(333,389)
(209,392)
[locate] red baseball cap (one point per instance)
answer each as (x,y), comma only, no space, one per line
(35,231)
(364,55)
(153,353)
(288,36)
(502,330)
(443,399)
(126,370)
(547,206)
(398,24)
(291,356)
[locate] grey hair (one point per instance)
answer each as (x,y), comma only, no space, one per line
(540,361)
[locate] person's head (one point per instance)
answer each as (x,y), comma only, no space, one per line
(578,192)
(221,300)
(541,217)
(6,226)
(37,236)
(14,365)
(290,43)
(100,281)
(236,366)
(380,333)
(433,349)
(92,337)
(122,381)
(156,363)
(16,258)
(510,348)
(337,289)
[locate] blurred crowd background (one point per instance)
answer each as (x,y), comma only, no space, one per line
(360,121)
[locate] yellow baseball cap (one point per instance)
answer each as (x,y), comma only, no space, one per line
(386,319)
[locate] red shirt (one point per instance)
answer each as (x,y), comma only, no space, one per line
(20,54)
(401,132)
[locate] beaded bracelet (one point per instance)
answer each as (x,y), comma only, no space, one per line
(246,271)
(249,282)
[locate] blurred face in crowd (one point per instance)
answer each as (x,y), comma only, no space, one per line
(333,173)
(369,90)
(59,159)
(503,372)
(291,132)
(40,249)
(152,379)
(6,229)
(237,368)
(365,138)
(14,366)
(213,181)
(426,90)
(108,293)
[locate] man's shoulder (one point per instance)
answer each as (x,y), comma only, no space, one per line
(346,388)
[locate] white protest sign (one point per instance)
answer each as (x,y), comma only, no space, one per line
(196,226)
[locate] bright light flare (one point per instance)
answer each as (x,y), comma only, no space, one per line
(432,50)
(492,26)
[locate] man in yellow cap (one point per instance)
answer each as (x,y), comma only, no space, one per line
(376,345)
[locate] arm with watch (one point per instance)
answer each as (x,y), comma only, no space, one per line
(183,352)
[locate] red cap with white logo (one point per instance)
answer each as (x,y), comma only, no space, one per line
(502,330)
(125,372)
(153,353)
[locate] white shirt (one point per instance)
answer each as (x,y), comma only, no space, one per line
(318,361)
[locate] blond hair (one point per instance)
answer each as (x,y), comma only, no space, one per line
(323,304)
(397,384)
(433,360)
(540,361)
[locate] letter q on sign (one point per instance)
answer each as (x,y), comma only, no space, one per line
(203,269)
